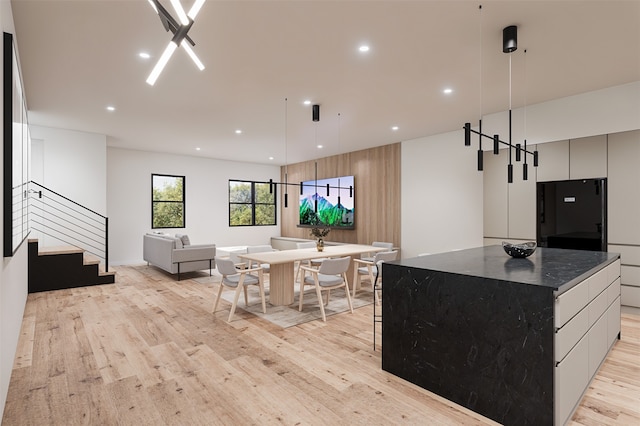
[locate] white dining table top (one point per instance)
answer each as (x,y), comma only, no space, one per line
(290,256)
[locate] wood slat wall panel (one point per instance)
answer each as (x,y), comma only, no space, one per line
(376,174)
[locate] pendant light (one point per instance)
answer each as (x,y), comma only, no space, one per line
(509,45)
(286,166)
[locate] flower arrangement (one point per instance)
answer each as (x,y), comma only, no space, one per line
(319,230)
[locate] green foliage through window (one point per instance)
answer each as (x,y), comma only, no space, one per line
(167,201)
(251,203)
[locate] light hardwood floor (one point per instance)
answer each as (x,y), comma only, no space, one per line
(148,351)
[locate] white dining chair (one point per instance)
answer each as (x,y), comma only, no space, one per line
(331,275)
(238,279)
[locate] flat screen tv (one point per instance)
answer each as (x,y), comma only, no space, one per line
(332,200)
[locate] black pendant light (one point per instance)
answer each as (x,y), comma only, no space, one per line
(509,45)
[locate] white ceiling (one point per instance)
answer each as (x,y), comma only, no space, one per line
(77,57)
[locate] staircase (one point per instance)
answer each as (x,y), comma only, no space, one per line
(79,237)
(56,268)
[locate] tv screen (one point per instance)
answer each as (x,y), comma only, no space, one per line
(334,209)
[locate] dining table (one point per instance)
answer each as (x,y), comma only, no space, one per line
(281,269)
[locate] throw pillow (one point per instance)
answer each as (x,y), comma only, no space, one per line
(184,238)
(178,243)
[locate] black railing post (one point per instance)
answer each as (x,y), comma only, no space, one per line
(106,244)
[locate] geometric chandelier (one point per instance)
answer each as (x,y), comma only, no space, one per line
(179,30)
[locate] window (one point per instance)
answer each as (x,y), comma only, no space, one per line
(251,203)
(167,201)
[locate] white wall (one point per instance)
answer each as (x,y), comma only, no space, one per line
(13,275)
(207,200)
(71,163)
(600,112)
(441,195)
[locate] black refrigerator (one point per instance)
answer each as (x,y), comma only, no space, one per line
(572,214)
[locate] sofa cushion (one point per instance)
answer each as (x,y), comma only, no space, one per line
(184,238)
(178,243)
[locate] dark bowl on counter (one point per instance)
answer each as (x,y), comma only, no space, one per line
(519,250)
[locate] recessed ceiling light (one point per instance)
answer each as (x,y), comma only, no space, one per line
(307,102)
(144,55)
(270,158)
(320,147)
(238,131)
(111,108)
(198,149)
(364,48)
(394,128)
(447,91)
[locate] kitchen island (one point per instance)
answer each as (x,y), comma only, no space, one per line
(516,340)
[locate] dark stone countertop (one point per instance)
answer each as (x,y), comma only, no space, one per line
(558,269)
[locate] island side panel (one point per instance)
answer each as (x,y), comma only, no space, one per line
(482,343)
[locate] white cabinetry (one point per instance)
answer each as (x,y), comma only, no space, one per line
(580,158)
(554,161)
(587,321)
(623,205)
(496,204)
(588,157)
(522,206)
(509,208)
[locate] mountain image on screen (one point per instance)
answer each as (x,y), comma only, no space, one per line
(331,215)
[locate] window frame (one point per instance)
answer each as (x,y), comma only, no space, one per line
(253,202)
(183,202)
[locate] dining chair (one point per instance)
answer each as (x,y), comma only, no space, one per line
(313,262)
(331,275)
(238,279)
(381,244)
(260,249)
(234,256)
(372,269)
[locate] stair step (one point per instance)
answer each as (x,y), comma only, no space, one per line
(53,250)
(88,258)
(49,272)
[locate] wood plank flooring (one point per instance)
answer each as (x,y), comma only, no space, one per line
(148,351)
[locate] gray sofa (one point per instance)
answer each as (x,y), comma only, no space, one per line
(176,254)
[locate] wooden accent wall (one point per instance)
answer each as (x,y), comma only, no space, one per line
(376,174)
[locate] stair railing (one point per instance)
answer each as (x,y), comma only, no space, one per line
(69,222)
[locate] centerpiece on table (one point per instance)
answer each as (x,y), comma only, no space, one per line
(319,230)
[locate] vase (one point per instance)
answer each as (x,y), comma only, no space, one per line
(320,244)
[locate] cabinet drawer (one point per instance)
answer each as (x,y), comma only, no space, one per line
(630,275)
(571,379)
(597,307)
(613,271)
(598,344)
(567,337)
(613,321)
(598,282)
(613,292)
(629,255)
(570,303)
